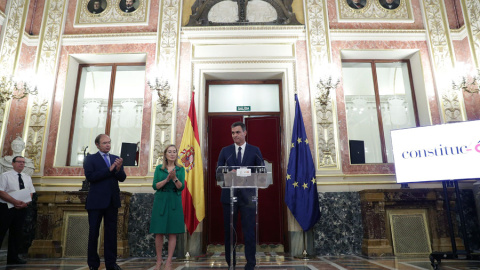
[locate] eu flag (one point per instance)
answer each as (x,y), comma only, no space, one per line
(301,193)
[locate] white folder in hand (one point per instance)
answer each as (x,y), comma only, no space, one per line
(21,195)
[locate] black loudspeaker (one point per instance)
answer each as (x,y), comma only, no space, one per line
(357,152)
(129,154)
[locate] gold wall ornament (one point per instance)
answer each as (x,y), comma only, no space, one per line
(45,66)
(441,51)
(163,90)
(166,59)
(163,132)
(36,131)
(319,51)
(326,132)
(112,14)
(14,89)
(465,85)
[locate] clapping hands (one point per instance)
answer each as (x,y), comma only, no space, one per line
(117,164)
(171,175)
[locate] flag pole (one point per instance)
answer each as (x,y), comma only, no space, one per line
(305,256)
(187,257)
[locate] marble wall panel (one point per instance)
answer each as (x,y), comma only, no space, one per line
(337,46)
(472,101)
(35,17)
(303,89)
(18,108)
(454,14)
(185,92)
(339,231)
(471,220)
(149,49)
(3,5)
(151,27)
(141,242)
(334,24)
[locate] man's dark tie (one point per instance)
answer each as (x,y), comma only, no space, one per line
(20,181)
(239,156)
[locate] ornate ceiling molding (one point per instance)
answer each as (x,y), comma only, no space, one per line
(112,14)
(373,11)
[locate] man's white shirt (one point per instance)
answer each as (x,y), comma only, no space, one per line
(9,182)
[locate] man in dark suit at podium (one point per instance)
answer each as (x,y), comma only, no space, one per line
(103,171)
(240,154)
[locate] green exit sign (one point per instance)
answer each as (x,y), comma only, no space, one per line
(243,108)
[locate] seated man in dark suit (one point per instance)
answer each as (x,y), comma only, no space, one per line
(103,171)
(240,154)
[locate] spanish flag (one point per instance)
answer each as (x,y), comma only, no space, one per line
(190,156)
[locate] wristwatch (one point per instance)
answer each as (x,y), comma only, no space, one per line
(176,180)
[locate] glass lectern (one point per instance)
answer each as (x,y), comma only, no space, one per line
(243,181)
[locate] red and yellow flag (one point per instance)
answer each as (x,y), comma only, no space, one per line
(193,198)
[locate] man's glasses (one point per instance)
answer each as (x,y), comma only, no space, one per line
(21,162)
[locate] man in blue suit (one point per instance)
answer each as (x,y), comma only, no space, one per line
(240,154)
(103,171)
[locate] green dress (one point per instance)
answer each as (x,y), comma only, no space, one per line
(167,211)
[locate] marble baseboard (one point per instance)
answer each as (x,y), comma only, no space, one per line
(471,220)
(141,241)
(340,230)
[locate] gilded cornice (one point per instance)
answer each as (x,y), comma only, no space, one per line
(111,35)
(242,28)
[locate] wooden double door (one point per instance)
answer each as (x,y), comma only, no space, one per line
(265,133)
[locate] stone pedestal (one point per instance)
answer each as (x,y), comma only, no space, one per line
(376,232)
(54,224)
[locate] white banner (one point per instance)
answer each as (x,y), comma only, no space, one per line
(441,152)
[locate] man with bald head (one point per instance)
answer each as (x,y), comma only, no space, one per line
(103,171)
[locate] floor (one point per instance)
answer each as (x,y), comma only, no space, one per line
(265,261)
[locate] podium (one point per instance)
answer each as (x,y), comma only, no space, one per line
(243,184)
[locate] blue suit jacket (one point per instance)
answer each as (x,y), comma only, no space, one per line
(103,182)
(228,157)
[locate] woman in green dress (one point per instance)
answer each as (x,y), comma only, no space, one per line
(167,212)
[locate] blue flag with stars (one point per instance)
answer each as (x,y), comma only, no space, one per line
(301,193)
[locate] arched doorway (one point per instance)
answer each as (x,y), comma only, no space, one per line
(263,130)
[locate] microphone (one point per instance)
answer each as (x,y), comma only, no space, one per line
(262,163)
(226,161)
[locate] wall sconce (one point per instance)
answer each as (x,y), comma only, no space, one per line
(324,87)
(163,91)
(13,89)
(464,85)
